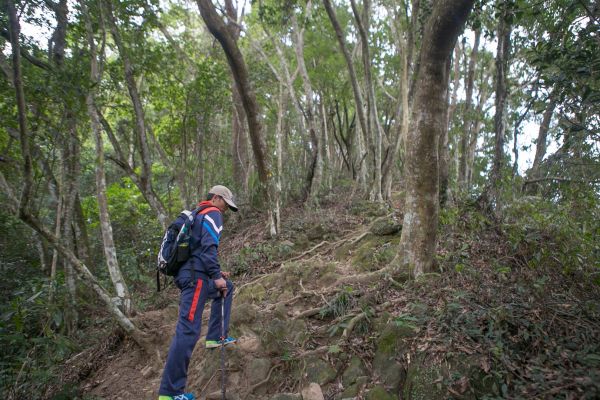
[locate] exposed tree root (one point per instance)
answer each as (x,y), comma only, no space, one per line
(259,384)
(260,278)
(352,324)
(308,251)
(309,313)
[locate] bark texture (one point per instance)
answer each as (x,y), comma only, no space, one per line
(419,232)
(219,30)
(502,56)
(468,118)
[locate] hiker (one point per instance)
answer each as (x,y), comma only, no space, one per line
(199,279)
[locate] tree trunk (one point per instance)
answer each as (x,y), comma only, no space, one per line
(402,115)
(110,251)
(315,171)
(328,168)
(466,132)
(281,109)
(240,74)
(145,178)
(374,126)
(419,231)
(81,236)
(70,176)
(444,151)
(541,144)
(14,29)
(502,56)
(239,143)
(542,139)
(360,111)
(476,124)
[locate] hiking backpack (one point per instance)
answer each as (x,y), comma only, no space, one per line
(175,248)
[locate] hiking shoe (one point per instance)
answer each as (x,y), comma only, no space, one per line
(211,344)
(185,396)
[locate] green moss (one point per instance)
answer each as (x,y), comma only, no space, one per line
(354,370)
(280,336)
(374,252)
(379,393)
(293,272)
(252,294)
(366,208)
(319,371)
(424,383)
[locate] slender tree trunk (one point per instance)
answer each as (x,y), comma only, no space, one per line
(444,154)
(71,152)
(14,29)
(110,251)
(360,110)
(81,235)
(315,172)
(58,234)
(239,143)
(454,138)
(240,73)
(541,144)
(402,115)
(199,151)
(419,230)
(502,56)
(145,178)
(70,158)
(281,109)
(467,117)
(476,124)
(374,126)
(542,139)
(41,248)
(328,169)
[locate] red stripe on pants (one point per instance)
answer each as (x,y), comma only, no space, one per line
(195,300)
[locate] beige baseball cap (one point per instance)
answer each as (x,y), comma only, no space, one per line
(226,194)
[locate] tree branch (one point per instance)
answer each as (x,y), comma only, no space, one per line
(25,54)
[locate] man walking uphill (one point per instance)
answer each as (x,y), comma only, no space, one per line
(199,279)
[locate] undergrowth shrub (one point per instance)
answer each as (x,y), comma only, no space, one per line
(31,336)
(545,233)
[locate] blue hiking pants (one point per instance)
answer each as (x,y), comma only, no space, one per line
(191,304)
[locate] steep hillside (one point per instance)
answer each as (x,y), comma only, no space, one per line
(316,320)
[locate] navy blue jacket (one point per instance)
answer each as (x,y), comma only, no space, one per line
(204,245)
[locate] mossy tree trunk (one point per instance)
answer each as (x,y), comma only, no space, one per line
(421,171)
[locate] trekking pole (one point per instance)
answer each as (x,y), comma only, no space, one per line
(223,397)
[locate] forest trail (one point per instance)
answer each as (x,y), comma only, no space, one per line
(307,326)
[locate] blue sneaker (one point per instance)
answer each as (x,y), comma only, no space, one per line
(185,396)
(211,344)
